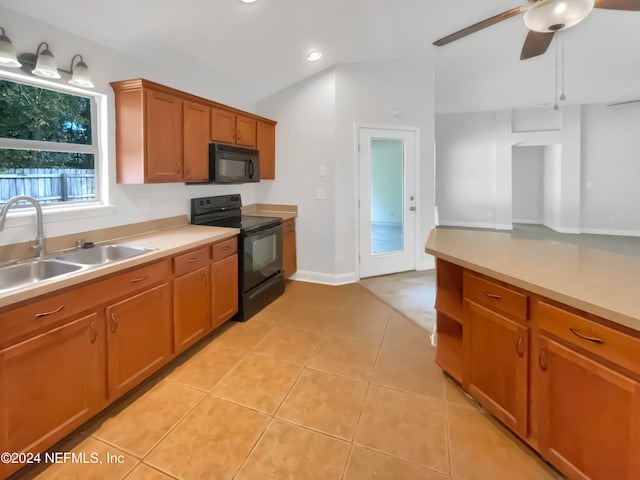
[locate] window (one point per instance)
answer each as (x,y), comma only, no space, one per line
(48,144)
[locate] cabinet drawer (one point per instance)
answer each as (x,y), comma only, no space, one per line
(225,248)
(187,262)
(288,226)
(617,347)
(133,280)
(495,296)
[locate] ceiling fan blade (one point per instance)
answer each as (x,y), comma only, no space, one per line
(633,5)
(480,25)
(536,44)
(623,103)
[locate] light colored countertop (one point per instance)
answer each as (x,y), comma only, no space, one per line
(285,212)
(167,242)
(595,281)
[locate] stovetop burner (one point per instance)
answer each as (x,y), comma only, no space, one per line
(225,211)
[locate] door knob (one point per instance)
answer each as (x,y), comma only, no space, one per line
(412,208)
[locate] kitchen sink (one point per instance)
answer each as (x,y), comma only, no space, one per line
(21,275)
(102,254)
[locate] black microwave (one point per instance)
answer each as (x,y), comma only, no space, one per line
(231,164)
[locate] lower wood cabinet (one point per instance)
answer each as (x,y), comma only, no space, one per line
(191,308)
(225,289)
(497,364)
(50,384)
(139,338)
(289,261)
(566,382)
(590,415)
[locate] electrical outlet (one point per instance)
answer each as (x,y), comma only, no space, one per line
(321,194)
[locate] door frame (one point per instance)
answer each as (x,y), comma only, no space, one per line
(356,180)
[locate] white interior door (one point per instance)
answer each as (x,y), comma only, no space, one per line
(387,200)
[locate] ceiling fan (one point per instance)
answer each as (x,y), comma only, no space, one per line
(543,19)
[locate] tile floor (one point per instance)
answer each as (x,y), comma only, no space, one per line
(326,383)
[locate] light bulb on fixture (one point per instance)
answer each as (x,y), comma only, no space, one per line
(80,73)
(7,52)
(46,65)
(554,15)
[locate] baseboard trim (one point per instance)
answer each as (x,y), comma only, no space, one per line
(325,278)
(504,226)
(605,231)
(528,222)
(427,265)
(468,224)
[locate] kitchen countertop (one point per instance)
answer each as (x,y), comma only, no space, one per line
(168,242)
(595,281)
(285,212)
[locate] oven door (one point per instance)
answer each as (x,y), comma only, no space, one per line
(262,255)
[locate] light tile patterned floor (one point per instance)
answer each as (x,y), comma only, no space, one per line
(326,383)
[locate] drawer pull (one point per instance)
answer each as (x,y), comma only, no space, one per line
(114,323)
(93,332)
(491,295)
(192,259)
(520,346)
(542,359)
(585,337)
(139,279)
(226,247)
(46,314)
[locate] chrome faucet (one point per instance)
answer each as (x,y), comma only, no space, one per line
(39,246)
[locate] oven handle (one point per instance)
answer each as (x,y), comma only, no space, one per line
(263,229)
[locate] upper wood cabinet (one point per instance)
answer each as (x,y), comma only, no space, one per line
(266,140)
(163,134)
(196,121)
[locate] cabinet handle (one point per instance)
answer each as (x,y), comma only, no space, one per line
(586,337)
(192,259)
(179,167)
(139,279)
(542,359)
(93,332)
(114,323)
(46,314)
(520,346)
(491,295)
(226,247)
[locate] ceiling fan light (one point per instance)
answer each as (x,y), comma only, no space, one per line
(554,15)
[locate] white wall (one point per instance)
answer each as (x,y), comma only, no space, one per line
(474,165)
(316,121)
(527,184)
(611,169)
(465,169)
(305,141)
(131,203)
(552,209)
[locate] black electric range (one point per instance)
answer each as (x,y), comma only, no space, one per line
(260,277)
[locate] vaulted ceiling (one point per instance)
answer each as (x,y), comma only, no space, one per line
(264,44)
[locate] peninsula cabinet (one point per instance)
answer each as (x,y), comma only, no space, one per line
(565,381)
(163,134)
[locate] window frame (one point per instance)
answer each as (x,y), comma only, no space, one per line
(98,147)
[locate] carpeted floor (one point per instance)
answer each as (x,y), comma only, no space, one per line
(411,293)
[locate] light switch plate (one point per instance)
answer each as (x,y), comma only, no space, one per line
(321,194)
(323,170)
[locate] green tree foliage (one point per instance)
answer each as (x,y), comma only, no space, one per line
(33,113)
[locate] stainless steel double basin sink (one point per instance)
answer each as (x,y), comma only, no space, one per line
(31,272)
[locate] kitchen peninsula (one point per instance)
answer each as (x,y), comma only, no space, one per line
(545,335)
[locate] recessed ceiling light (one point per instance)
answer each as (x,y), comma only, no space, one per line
(247,1)
(314,55)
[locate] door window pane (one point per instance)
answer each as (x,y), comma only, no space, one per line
(387,194)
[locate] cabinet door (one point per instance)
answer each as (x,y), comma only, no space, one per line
(196,128)
(163,137)
(496,350)
(223,126)
(289,264)
(138,338)
(50,384)
(266,144)
(246,131)
(225,289)
(191,308)
(590,415)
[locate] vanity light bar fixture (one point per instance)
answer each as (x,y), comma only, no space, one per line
(43,63)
